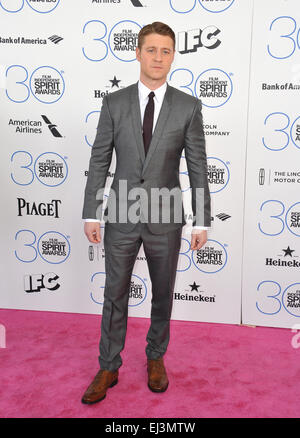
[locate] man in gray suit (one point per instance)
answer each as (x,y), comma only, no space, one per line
(148,124)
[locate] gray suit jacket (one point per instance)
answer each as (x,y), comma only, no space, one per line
(179,126)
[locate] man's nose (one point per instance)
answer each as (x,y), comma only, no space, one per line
(158,56)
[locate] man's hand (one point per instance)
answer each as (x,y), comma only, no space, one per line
(92,231)
(198,239)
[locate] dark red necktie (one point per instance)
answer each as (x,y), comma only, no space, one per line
(148,122)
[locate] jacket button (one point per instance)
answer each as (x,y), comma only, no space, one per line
(142,180)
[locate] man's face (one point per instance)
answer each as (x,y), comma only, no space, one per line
(155,56)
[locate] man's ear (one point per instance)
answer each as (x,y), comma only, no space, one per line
(137,53)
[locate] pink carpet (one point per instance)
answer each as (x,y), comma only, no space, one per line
(215,370)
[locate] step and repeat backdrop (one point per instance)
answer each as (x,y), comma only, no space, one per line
(59,59)
(271,281)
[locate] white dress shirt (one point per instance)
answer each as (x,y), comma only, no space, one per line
(158,100)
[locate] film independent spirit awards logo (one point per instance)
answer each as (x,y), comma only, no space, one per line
(41,6)
(211,258)
(53,247)
(214,87)
(123,40)
(291,299)
(51,169)
(213,6)
(137,289)
(218,174)
(120,40)
(47,84)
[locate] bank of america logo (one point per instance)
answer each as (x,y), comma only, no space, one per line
(223,216)
(52,127)
(55,39)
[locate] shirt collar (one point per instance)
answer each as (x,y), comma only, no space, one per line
(159,92)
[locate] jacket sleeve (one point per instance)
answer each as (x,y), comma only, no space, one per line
(195,155)
(100,160)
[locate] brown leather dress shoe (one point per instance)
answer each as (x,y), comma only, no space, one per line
(103,380)
(157,375)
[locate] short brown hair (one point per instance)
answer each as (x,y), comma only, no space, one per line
(156,27)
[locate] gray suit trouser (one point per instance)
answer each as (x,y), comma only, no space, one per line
(121,249)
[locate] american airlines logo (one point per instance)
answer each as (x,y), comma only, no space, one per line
(55,39)
(136,3)
(51,126)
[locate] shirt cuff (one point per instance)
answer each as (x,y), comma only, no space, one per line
(197,228)
(92,220)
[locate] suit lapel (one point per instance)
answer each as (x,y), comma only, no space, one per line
(159,127)
(136,121)
(137,124)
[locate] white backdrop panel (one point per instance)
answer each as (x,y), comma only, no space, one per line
(271,287)
(58,61)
